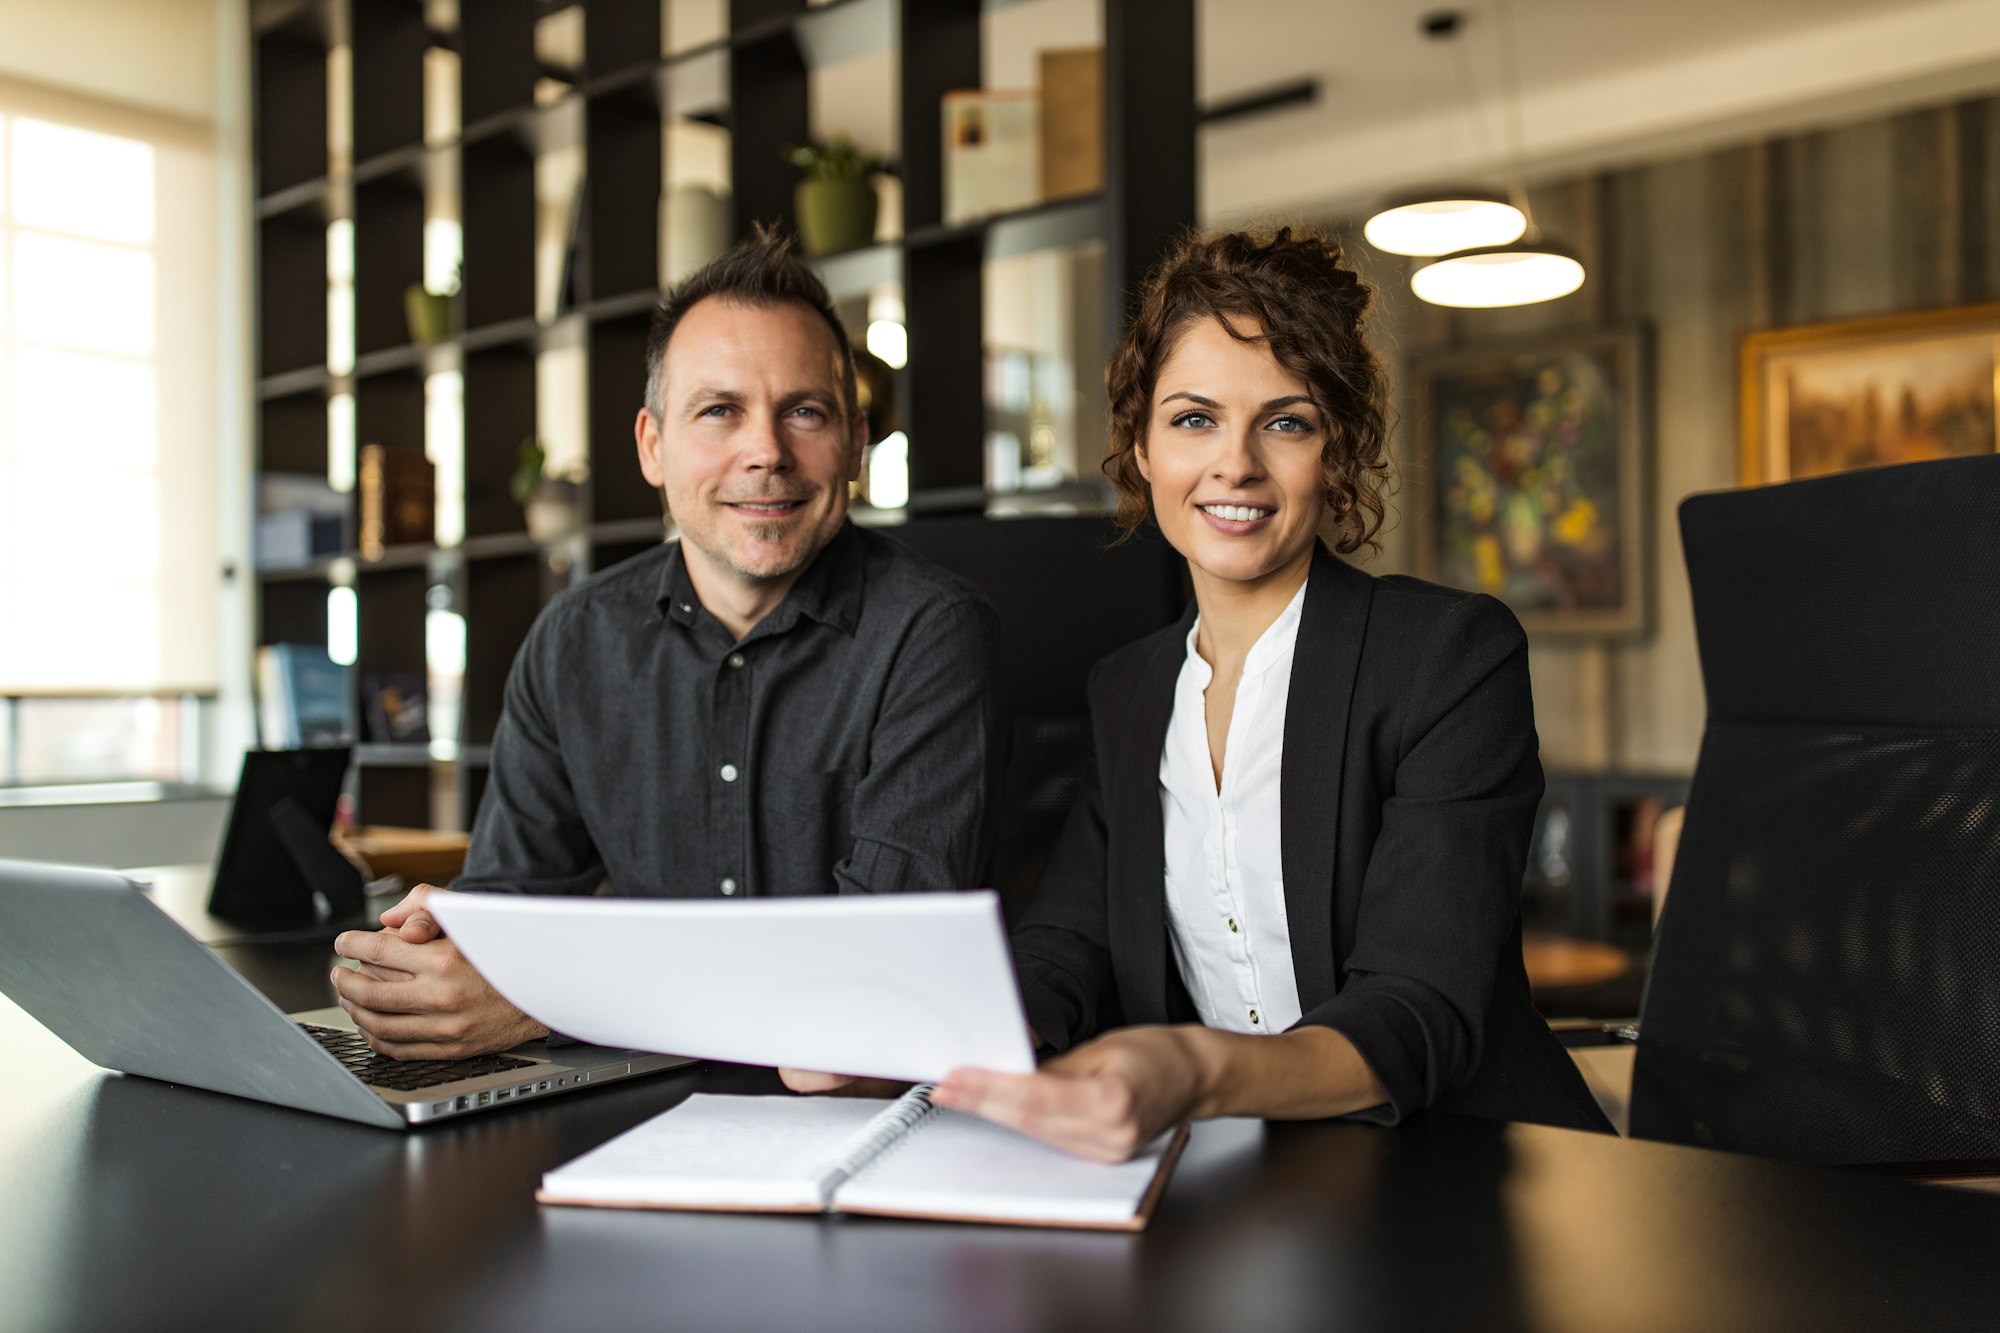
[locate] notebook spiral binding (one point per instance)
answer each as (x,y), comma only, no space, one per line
(876,1138)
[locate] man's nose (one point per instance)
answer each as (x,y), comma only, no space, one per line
(764,445)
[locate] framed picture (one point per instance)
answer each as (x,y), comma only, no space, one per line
(1822,398)
(1530,477)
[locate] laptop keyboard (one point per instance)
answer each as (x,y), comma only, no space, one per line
(404,1075)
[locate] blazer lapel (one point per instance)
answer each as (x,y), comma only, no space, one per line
(1332,624)
(1138,869)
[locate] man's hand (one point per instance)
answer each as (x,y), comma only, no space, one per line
(840,1085)
(413,995)
(1104,1100)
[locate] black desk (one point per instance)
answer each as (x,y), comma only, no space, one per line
(127,1203)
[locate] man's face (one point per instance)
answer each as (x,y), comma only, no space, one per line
(754,451)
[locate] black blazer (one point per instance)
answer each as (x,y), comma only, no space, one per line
(1409,787)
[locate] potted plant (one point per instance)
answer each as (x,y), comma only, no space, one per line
(552,503)
(428,313)
(835,203)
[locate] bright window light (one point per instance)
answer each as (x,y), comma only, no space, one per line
(82,294)
(343,631)
(118,425)
(890,342)
(444,247)
(341,451)
(85,184)
(889,472)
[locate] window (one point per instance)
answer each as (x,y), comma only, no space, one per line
(109,543)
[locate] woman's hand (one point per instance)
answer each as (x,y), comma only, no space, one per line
(1105,1100)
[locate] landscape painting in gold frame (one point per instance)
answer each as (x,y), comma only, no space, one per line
(1825,398)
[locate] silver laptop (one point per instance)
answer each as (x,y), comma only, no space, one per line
(94,960)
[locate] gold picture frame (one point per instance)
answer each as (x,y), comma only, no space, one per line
(1832,397)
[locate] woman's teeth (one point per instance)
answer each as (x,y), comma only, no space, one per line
(1235,513)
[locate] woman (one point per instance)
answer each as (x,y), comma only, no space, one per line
(1290,884)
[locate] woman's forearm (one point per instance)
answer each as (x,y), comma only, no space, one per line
(1306,1074)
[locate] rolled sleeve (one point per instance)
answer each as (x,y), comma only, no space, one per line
(1442,888)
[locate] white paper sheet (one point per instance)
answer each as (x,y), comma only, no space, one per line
(907,986)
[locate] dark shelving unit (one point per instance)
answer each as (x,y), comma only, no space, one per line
(616,109)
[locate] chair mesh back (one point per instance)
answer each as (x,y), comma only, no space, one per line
(1066,597)
(1826,981)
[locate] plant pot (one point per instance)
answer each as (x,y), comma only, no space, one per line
(834,215)
(554,511)
(428,314)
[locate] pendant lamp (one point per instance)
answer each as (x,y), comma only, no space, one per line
(1499,275)
(1438,221)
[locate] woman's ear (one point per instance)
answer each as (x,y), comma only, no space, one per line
(1145,465)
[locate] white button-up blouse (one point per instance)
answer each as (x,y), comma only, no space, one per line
(1225,876)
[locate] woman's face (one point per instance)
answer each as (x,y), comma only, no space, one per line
(1232,452)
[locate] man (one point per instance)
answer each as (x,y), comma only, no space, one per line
(779,703)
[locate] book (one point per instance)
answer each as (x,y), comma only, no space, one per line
(302,698)
(398,499)
(901,1158)
(395,712)
(1072,122)
(990,143)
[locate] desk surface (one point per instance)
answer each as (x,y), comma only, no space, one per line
(130,1203)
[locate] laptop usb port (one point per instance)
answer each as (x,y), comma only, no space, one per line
(524,1089)
(502,1095)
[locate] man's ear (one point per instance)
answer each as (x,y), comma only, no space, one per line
(646,430)
(857,446)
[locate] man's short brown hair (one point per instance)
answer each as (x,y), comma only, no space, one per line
(1307,308)
(763,270)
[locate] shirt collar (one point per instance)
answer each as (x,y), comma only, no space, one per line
(1278,638)
(829,591)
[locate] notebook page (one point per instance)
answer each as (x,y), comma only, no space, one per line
(718,1151)
(957,1165)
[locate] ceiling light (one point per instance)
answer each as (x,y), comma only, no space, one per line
(1499,275)
(1436,222)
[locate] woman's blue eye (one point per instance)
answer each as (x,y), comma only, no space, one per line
(1291,425)
(1194,420)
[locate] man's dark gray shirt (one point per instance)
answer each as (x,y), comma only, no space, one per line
(848,743)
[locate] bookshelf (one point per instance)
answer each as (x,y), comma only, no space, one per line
(350,142)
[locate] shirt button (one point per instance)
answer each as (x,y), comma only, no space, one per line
(1232,925)
(736,659)
(728,887)
(729,772)
(1253,1018)
(687,608)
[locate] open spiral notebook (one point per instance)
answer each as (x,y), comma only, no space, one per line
(902,1158)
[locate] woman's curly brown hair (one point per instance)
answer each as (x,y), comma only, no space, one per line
(1309,308)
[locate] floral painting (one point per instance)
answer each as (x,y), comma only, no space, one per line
(1822,398)
(1530,463)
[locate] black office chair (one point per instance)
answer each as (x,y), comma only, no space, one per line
(1066,597)
(1826,981)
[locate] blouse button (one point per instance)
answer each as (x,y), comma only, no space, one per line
(1253,1017)
(1232,925)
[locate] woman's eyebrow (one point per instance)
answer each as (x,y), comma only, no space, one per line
(1270,404)
(1192,398)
